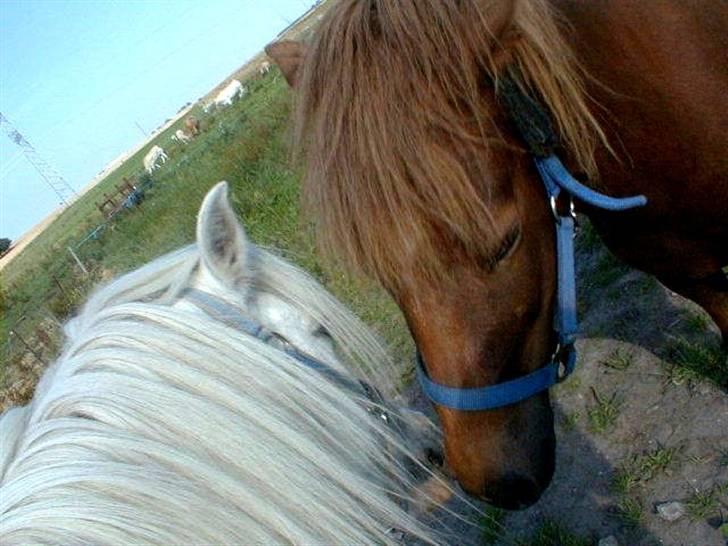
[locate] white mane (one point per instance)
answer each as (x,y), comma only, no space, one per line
(162,425)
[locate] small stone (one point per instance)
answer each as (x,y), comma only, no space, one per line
(671,511)
(608,541)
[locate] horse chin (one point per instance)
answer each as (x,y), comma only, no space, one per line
(510,463)
(516,490)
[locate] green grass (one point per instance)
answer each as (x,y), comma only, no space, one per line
(697,322)
(551,533)
(604,413)
(491,524)
(702,504)
(608,270)
(643,468)
(245,144)
(634,476)
(706,503)
(630,511)
(587,238)
(696,361)
(619,360)
(569,420)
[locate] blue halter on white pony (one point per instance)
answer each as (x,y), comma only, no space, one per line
(204,399)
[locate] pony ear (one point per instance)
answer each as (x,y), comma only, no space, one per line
(220,237)
(288,55)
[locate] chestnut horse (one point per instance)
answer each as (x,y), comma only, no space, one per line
(418,174)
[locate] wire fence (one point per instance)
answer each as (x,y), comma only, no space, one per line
(34,336)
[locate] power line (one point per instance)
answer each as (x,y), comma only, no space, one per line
(58,184)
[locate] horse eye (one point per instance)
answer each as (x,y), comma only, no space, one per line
(508,245)
(277,340)
(322,332)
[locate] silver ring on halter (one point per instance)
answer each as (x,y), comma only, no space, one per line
(561,370)
(555,210)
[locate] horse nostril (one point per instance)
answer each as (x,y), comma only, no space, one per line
(435,458)
(513,492)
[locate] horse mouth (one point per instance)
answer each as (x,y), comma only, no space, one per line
(513,492)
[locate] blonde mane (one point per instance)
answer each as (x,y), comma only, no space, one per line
(161,426)
(390,109)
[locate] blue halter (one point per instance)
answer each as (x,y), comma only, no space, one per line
(556,179)
(233,317)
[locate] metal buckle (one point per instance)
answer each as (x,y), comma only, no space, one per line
(557,216)
(560,357)
(555,209)
(562,372)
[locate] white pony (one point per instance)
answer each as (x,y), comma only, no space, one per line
(229,93)
(264,68)
(154,155)
(181,136)
(203,399)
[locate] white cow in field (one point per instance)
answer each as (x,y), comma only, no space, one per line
(231,91)
(181,136)
(264,68)
(154,155)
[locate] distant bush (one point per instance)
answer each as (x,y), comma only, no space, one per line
(4,244)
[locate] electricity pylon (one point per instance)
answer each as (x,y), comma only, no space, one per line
(58,184)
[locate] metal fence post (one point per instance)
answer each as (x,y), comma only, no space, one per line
(80,264)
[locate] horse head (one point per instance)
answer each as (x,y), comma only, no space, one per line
(416,176)
(229,270)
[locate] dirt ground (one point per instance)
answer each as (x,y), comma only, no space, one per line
(634,430)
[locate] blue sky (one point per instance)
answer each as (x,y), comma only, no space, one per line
(76,77)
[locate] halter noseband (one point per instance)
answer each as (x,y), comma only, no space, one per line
(534,125)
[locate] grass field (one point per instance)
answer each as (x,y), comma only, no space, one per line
(245,144)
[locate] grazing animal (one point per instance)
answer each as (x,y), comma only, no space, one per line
(229,93)
(154,156)
(181,136)
(419,122)
(192,125)
(210,398)
(264,68)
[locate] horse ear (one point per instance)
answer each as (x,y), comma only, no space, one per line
(500,17)
(220,237)
(288,55)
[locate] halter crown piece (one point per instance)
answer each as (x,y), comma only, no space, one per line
(534,125)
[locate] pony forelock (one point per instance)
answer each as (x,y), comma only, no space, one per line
(391,122)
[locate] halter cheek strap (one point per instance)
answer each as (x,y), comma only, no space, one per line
(234,317)
(556,179)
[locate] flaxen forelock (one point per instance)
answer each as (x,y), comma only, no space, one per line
(391,100)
